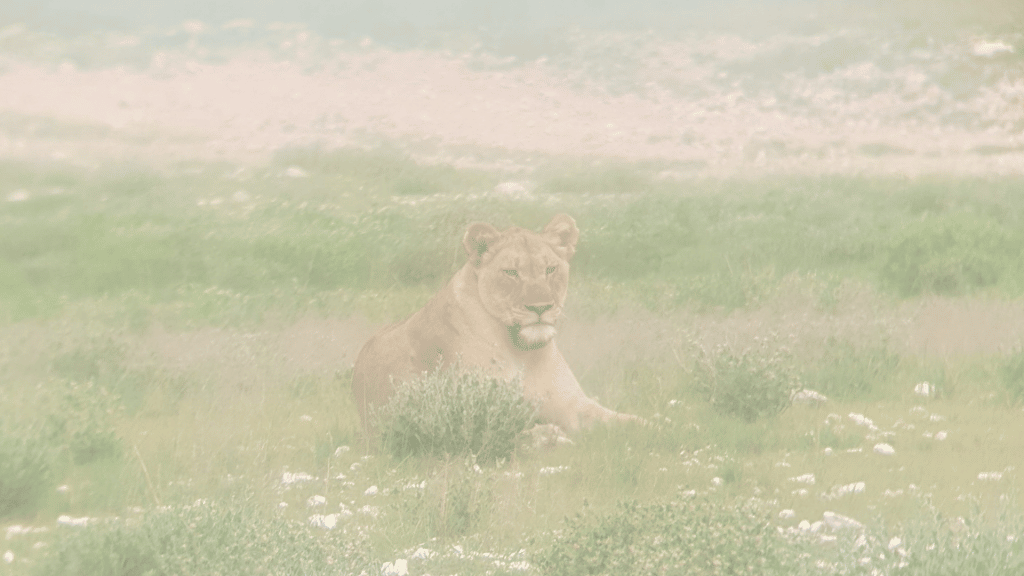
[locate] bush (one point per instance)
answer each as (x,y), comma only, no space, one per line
(26,461)
(753,384)
(203,538)
(455,412)
(951,255)
(1011,373)
(930,543)
(698,536)
(82,421)
(847,371)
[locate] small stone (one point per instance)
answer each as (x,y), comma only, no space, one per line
(399,567)
(809,397)
(884,449)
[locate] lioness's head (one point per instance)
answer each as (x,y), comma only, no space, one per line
(523,276)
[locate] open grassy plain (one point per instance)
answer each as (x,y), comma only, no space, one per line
(176,347)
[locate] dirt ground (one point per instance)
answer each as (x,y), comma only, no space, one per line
(471,109)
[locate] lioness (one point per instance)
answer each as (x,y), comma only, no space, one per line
(498,312)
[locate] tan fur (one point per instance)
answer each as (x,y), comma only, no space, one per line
(498,312)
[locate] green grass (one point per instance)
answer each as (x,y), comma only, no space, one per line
(168,338)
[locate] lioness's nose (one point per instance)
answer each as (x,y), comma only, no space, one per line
(539,309)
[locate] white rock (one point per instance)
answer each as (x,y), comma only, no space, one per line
(884,449)
(804,525)
(787,514)
(75,522)
(422,554)
(839,522)
(316,500)
(371,491)
(987,49)
(327,522)
(8,556)
(862,420)
(399,567)
(894,543)
(940,435)
(852,488)
(828,451)
(18,196)
(289,478)
(809,397)
(512,190)
(716,481)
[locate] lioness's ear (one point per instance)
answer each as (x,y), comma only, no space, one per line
(563,234)
(479,237)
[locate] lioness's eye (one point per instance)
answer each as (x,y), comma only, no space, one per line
(511,273)
(551,269)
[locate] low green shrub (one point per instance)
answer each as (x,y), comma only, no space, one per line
(931,543)
(82,421)
(755,383)
(26,468)
(696,536)
(454,412)
(950,254)
(204,538)
(1011,374)
(848,371)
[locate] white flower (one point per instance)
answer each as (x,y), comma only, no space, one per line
(371,511)
(716,481)
(8,556)
(549,470)
(316,500)
(940,435)
(341,450)
(804,478)
(925,389)
(295,172)
(787,514)
(371,491)
(69,521)
(993,476)
(895,543)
